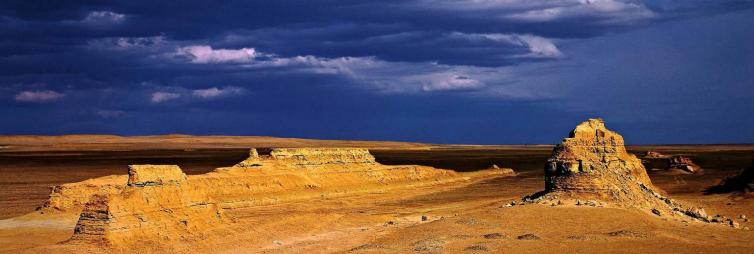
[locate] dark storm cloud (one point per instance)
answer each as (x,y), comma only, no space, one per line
(122,66)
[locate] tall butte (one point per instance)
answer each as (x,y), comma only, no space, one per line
(592,164)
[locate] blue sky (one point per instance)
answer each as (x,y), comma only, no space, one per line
(456,71)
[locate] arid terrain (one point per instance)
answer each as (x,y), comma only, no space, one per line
(466,208)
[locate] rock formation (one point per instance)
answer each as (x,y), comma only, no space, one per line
(298,157)
(73,196)
(654,155)
(683,164)
(592,164)
(159,202)
(677,164)
(505,171)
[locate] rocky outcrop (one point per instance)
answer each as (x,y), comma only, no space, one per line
(593,161)
(157,204)
(683,164)
(155,175)
(161,202)
(676,164)
(71,197)
(654,155)
(298,157)
(504,171)
(592,164)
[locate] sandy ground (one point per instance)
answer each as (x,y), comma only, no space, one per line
(466,217)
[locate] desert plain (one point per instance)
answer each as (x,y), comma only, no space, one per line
(457,199)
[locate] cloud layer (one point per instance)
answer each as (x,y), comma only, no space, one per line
(445,66)
(38,96)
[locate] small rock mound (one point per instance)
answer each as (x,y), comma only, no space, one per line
(683,164)
(504,171)
(592,164)
(654,155)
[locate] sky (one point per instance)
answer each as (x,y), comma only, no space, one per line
(453,71)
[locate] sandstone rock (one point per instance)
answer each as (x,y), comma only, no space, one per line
(151,175)
(592,163)
(71,197)
(161,203)
(157,205)
(302,157)
(264,178)
(528,237)
(683,164)
(504,171)
(654,155)
(656,212)
(734,224)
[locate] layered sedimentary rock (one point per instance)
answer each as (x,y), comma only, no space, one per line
(677,164)
(72,197)
(160,202)
(683,164)
(157,204)
(592,164)
(593,161)
(505,171)
(654,155)
(296,157)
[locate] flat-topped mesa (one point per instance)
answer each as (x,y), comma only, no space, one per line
(592,163)
(153,175)
(155,205)
(309,157)
(72,197)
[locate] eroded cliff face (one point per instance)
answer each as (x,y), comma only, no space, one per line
(161,203)
(156,204)
(684,164)
(593,161)
(592,164)
(72,197)
(301,157)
